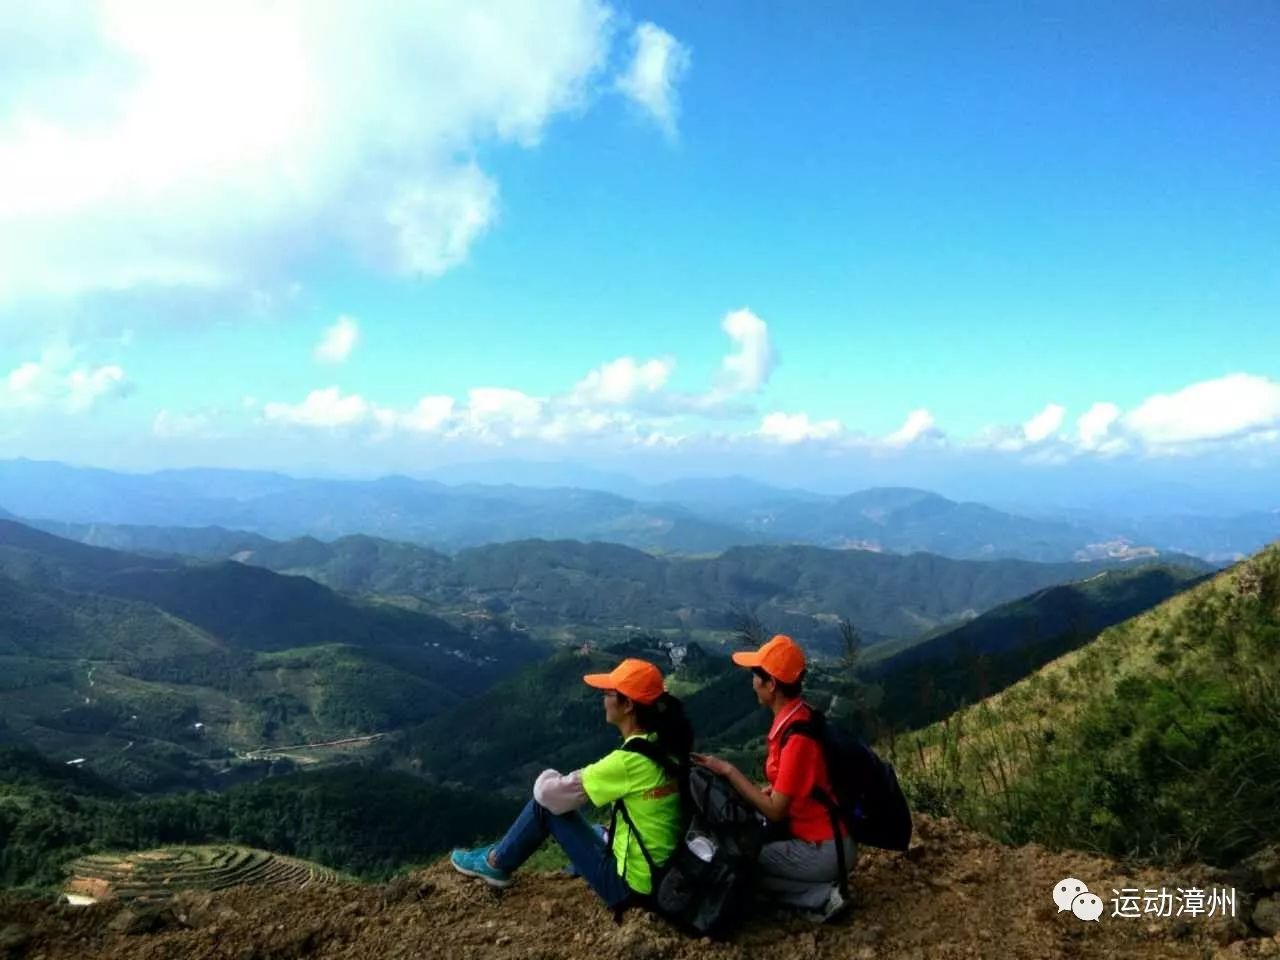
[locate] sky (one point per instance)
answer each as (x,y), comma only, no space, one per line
(1000,246)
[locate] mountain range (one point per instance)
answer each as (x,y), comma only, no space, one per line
(570,590)
(160,668)
(681,517)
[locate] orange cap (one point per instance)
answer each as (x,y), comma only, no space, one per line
(781,658)
(636,680)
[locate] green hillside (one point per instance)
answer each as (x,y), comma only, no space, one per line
(157,674)
(1159,738)
(929,678)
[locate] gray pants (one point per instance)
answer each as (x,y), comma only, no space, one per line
(801,873)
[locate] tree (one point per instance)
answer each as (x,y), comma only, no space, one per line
(748,631)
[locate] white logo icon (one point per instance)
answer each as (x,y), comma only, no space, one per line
(1066,891)
(1087,906)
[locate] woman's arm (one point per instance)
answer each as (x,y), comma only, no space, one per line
(774,806)
(559,793)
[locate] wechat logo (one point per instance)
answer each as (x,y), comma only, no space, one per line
(1071,894)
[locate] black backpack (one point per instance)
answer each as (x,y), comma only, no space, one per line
(868,799)
(705,887)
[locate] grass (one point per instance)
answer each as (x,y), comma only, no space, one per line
(1160,739)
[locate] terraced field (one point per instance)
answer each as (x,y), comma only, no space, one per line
(156,874)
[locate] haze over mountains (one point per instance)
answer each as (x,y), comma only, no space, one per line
(691,516)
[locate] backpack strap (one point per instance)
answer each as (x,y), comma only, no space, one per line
(650,751)
(655,872)
(813,728)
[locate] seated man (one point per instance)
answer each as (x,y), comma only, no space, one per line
(799,867)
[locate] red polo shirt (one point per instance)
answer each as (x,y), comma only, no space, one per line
(795,771)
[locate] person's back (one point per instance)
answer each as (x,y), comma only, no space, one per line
(796,766)
(651,795)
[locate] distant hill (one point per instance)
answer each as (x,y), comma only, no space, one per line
(690,517)
(571,588)
(424,511)
(155,671)
(927,679)
(904,520)
(1160,738)
(203,542)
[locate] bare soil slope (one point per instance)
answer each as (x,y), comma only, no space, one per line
(956,894)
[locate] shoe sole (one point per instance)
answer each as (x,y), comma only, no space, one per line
(491,881)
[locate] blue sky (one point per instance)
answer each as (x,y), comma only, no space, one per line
(889,241)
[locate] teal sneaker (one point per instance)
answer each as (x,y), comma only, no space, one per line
(475,863)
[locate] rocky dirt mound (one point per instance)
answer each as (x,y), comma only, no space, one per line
(954,895)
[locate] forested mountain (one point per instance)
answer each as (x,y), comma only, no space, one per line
(152,670)
(565,586)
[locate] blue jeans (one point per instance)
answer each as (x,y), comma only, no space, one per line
(580,841)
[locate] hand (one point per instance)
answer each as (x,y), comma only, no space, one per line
(717,766)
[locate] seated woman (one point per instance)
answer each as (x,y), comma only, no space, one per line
(799,866)
(635,702)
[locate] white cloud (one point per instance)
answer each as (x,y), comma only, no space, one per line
(497,404)
(338,340)
(23,381)
(576,424)
(797,427)
(169,424)
(1094,426)
(1043,424)
(919,424)
(54,382)
(659,61)
(429,416)
(622,381)
(86,386)
(748,367)
(434,220)
(1230,406)
(1012,439)
(321,408)
(210,146)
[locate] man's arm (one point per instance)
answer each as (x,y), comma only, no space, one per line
(775,806)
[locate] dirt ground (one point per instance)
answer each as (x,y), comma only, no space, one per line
(955,894)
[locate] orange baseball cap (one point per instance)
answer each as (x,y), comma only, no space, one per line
(636,680)
(781,658)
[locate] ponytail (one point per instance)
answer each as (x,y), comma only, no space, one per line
(666,717)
